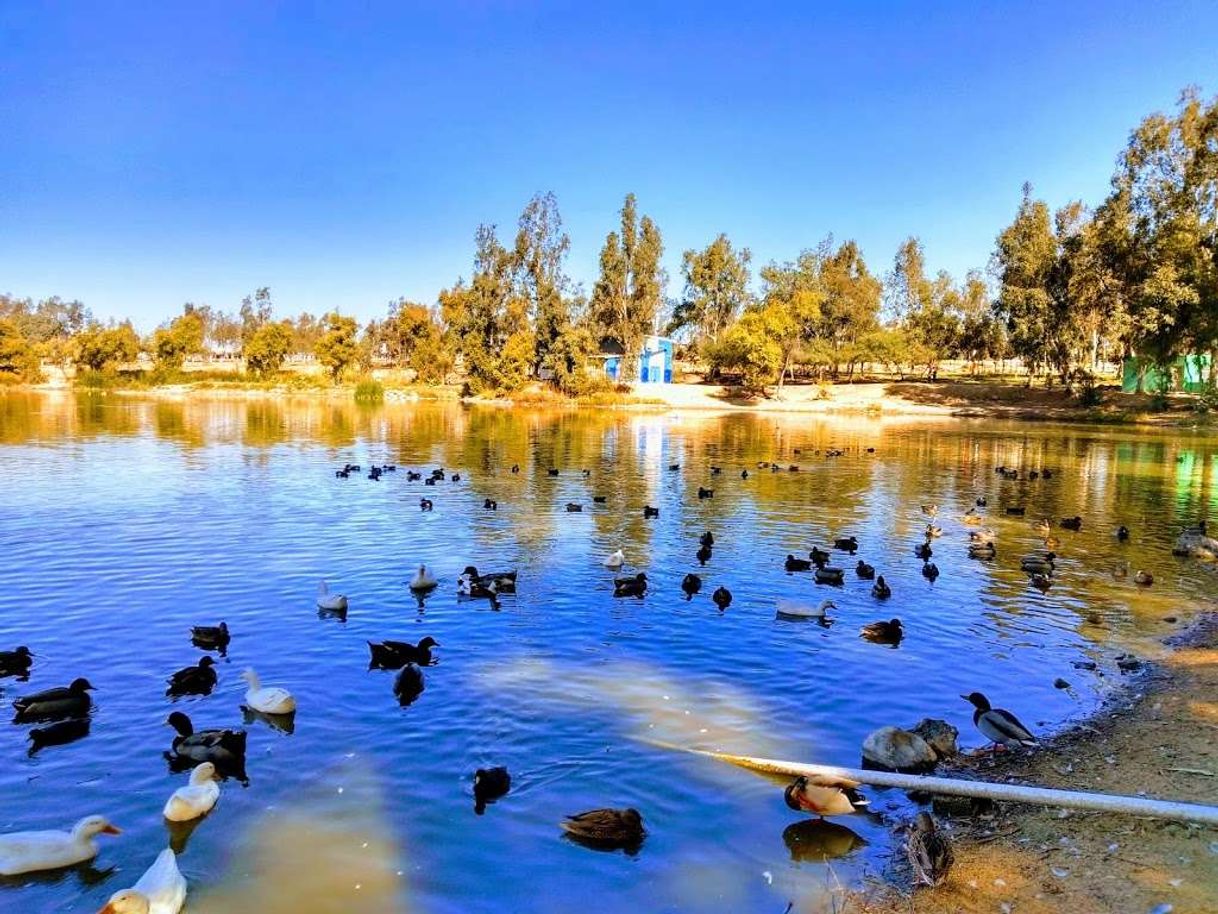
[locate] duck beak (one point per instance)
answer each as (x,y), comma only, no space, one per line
(111,830)
(108,909)
(965,697)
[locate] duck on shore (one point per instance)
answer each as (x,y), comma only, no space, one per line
(998,725)
(929,851)
(825,796)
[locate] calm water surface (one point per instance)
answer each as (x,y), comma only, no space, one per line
(124,522)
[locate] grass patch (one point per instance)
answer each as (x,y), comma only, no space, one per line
(369,391)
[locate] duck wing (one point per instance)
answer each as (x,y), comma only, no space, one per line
(1004,727)
(163,884)
(599,825)
(61,693)
(931,856)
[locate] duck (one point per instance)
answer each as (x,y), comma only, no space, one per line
(1052,542)
(490,504)
(972,517)
(222,747)
(705,493)
(630,587)
(1072,523)
(1144,578)
(194,680)
(55,704)
(744,474)
(674,467)
(819,557)
(1042,526)
(998,725)
(929,851)
(982,550)
(413,476)
(268,700)
(704,554)
(1120,572)
(1037,564)
(423,580)
(614,559)
(456,477)
(803,611)
(880,589)
(933,531)
(827,574)
(707,539)
(33,851)
(197,798)
(1122,534)
(1016,511)
(930,510)
(794,564)
(1041,582)
(985,535)
(59,733)
(16,662)
(503,581)
(599,499)
(923,551)
(426,504)
(607,827)
(574,508)
(552,471)
(722,597)
(930,571)
(865,571)
(846,544)
(981,503)
(649,511)
(210,637)
(330,601)
(429,481)
(161,890)
(825,796)
(391,655)
(585,472)
(715,471)
(889,632)
(489,785)
(476,587)
(691,584)
(408,685)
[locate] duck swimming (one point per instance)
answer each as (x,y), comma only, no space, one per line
(827,574)
(60,733)
(55,704)
(161,890)
(880,590)
(503,581)
(615,559)
(16,662)
(197,798)
(1122,534)
(609,828)
(889,632)
(649,511)
(804,611)
(574,508)
(923,551)
(210,637)
(982,550)
(1072,523)
(933,531)
(846,544)
(865,571)
(1144,578)
(998,725)
(224,748)
(705,493)
(392,655)
(194,680)
(704,554)
(423,580)
(794,564)
(825,796)
(489,785)
(267,700)
(819,557)
(722,597)
(33,851)
(929,851)
(330,601)
(408,685)
(691,584)
(707,539)
(930,571)
(630,587)
(1038,564)
(426,504)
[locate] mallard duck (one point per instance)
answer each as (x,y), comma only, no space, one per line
(674,466)
(794,564)
(819,557)
(707,539)
(930,571)
(585,472)
(423,580)
(715,471)
(161,890)
(269,700)
(456,477)
(971,517)
(614,559)
(194,680)
(55,704)
(429,481)
(392,655)
(1039,564)
(412,476)
(705,493)
(426,504)
(933,531)
(704,554)
(804,611)
(489,785)
(1052,542)
(1144,578)
(504,581)
(197,798)
(982,550)
(1041,582)
(1120,572)
(1042,526)
(930,510)
(880,589)
(224,748)
(691,584)
(1015,511)
(981,503)
(649,511)
(552,472)
(846,544)
(33,851)
(16,662)
(60,733)
(998,725)
(210,637)
(825,796)
(630,587)
(929,851)
(330,601)
(606,827)
(477,587)
(574,508)
(722,597)
(865,571)
(1072,523)
(982,536)
(827,574)
(889,632)
(1122,534)
(923,551)
(744,474)
(599,499)
(408,685)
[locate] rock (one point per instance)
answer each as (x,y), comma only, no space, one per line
(1060,683)
(1084,664)
(1129,664)
(961,807)
(939,735)
(894,749)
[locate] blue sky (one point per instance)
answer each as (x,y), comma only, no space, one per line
(343,153)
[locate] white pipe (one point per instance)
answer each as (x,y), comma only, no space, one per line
(1017,793)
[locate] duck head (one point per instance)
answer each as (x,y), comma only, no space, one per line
(251,677)
(977,700)
(205,661)
(470,571)
(128,901)
(181,723)
(895,623)
(90,826)
(23,651)
(791,794)
(204,773)
(429,641)
(80,686)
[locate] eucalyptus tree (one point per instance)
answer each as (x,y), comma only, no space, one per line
(716,289)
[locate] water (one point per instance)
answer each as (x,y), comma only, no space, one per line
(124,522)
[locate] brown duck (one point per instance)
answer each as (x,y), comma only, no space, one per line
(606,827)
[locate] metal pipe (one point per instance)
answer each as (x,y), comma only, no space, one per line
(986,790)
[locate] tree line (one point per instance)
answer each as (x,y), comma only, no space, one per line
(1065,291)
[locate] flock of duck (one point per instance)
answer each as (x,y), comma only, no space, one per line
(211,754)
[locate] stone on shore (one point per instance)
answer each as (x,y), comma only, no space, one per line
(894,749)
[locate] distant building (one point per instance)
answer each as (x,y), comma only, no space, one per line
(655,359)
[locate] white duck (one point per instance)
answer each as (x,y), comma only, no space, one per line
(273,700)
(161,890)
(615,560)
(327,600)
(30,851)
(195,799)
(423,580)
(804,611)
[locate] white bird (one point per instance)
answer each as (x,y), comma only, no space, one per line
(30,851)
(615,560)
(273,700)
(161,890)
(804,611)
(327,600)
(195,799)
(423,580)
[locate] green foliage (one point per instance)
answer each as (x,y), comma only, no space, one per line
(568,363)
(369,390)
(541,247)
(716,288)
(758,346)
(101,348)
(18,356)
(267,348)
(181,338)
(337,348)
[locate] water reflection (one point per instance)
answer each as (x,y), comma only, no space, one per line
(818,840)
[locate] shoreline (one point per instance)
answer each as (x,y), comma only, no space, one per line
(1156,735)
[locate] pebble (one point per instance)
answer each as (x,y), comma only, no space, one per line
(1084,665)
(1060,872)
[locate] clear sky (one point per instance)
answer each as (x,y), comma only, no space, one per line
(343,153)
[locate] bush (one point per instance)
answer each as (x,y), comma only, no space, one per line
(369,391)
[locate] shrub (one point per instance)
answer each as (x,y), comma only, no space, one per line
(369,391)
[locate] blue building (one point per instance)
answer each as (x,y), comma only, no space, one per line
(655,360)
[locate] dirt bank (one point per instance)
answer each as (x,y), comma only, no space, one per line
(1160,740)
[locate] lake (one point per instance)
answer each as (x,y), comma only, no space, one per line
(124,521)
